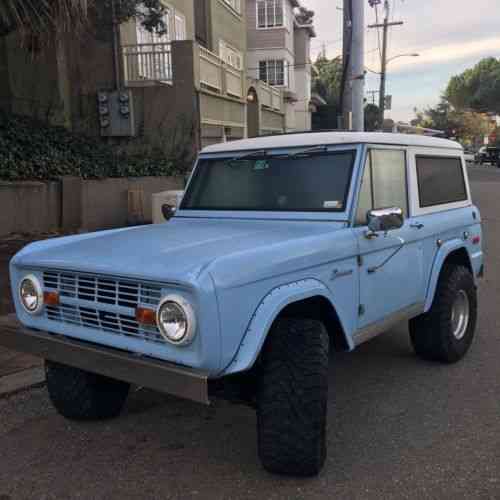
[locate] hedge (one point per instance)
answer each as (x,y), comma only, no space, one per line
(32,150)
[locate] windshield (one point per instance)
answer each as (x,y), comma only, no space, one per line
(299,183)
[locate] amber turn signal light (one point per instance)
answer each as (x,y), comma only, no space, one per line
(145,316)
(51,298)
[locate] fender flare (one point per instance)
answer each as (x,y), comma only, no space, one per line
(267,311)
(444,251)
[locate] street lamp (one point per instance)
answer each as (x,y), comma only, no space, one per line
(383,75)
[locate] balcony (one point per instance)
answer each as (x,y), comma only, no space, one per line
(270,97)
(218,76)
(148,62)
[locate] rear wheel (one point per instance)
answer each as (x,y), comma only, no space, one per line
(445,333)
(292,394)
(80,395)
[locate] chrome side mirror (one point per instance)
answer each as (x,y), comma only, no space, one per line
(168,211)
(383,220)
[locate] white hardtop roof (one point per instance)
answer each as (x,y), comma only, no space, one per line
(330,138)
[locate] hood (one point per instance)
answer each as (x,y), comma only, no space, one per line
(177,251)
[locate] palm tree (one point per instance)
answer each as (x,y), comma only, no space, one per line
(38,17)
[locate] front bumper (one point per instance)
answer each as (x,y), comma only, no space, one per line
(158,375)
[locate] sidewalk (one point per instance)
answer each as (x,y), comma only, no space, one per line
(18,371)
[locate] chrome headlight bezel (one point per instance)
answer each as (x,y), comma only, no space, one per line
(188,313)
(35,282)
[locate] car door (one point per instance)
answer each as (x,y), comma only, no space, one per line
(391,264)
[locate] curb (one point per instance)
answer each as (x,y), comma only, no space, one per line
(21,381)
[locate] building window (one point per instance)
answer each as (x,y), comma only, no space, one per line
(230,55)
(270,13)
(274,72)
(234,4)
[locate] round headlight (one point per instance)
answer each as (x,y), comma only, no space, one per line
(176,320)
(31,294)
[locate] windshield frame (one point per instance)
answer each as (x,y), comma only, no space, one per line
(336,215)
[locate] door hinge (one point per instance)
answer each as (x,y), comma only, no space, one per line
(361,310)
(360,260)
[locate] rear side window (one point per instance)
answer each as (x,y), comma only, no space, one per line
(440,180)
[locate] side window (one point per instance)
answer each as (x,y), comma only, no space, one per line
(440,180)
(389,179)
(384,183)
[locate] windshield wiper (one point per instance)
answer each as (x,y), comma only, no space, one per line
(253,154)
(305,152)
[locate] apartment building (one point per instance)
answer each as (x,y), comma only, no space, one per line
(279,53)
(187,84)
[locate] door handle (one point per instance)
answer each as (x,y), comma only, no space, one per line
(417,225)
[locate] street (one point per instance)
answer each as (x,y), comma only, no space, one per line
(399,427)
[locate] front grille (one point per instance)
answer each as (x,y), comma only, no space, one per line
(118,292)
(102,320)
(95,290)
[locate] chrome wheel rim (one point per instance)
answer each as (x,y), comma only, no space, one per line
(460,313)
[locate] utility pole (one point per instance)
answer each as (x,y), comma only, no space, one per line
(347,67)
(358,65)
(385,25)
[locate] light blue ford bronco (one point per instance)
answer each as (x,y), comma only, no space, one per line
(283,250)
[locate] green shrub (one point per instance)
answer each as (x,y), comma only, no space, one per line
(32,150)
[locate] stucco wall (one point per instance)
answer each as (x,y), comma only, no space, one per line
(29,207)
(229,26)
(105,202)
(35,207)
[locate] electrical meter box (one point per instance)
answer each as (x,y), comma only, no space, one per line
(116,113)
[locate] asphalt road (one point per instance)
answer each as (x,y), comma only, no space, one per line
(398,427)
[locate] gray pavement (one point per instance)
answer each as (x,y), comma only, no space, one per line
(398,427)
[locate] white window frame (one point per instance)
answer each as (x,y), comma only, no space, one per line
(230,55)
(285,71)
(415,208)
(269,26)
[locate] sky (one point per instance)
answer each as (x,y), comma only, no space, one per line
(449,36)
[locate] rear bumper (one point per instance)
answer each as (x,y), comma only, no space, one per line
(154,374)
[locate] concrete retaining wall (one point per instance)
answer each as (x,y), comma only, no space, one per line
(74,204)
(29,207)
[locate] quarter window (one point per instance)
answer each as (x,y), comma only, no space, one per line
(270,13)
(440,180)
(383,184)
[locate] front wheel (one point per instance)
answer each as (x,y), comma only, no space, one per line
(80,395)
(292,395)
(445,333)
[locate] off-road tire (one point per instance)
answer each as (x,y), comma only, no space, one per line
(80,395)
(292,394)
(431,333)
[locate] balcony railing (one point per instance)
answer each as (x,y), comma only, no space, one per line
(147,62)
(271,97)
(217,76)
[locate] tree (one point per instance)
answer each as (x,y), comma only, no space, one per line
(42,19)
(328,81)
(466,126)
(477,88)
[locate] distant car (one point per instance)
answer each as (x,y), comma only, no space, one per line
(488,154)
(470,156)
